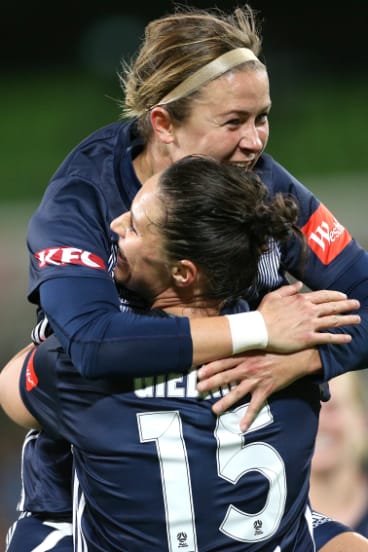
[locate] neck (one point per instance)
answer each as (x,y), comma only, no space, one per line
(151,160)
(193,311)
(180,303)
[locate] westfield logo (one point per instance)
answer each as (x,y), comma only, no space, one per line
(62,256)
(325,235)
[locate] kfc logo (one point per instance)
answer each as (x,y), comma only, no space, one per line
(325,235)
(62,256)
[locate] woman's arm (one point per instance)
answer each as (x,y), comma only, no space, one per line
(103,341)
(10,399)
(257,373)
(262,375)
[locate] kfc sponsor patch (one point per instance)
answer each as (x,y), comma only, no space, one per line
(325,235)
(63,256)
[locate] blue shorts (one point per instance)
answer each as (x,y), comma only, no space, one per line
(30,532)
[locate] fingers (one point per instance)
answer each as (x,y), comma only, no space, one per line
(316,297)
(319,296)
(227,401)
(325,296)
(252,411)
(290,289)
(253,408)
(332,339)
(336,321)
(217,366)
(213,382)
(336,307)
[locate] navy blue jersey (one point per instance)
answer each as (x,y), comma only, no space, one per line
(71,251)
(46,467)
(156,470)
(32,533)
(326,528)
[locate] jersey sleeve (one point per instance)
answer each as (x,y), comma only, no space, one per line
(326,528)
(69,240)
(334,260)
(69,234)
(101,340)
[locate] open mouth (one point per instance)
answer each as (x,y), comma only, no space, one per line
(122,260)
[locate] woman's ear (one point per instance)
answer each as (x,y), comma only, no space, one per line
(184,273)
(162,124)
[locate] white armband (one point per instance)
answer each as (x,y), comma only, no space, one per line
(248,331)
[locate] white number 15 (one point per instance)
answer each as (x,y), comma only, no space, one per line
(234,460)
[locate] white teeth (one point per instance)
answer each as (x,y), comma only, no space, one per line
(244,165)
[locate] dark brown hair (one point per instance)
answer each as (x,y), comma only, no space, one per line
(221,217)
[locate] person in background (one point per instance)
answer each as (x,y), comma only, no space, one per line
(339,477)
(158,434)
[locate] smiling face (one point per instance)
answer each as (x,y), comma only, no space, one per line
(228,120)
(142,265)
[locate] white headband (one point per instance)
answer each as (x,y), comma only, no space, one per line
(215,68)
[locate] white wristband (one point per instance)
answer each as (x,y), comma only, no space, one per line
(248,331)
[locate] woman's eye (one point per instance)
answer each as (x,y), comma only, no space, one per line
(130,223)
(233,122)
(262,118)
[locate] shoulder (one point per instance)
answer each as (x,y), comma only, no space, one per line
(97,152)
(277,178)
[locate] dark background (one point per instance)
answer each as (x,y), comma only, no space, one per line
(45,34)
(58,82)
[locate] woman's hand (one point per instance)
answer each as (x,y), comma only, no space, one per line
(257,373)
(296,321)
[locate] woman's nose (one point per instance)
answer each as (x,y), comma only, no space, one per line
(250,139)
(117,225)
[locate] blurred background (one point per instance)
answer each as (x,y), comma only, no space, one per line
(58,83)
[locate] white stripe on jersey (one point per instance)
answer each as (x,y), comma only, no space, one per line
(79,503)
(268,276)
(309,519)
(269,266)
(61,530)
(30,436)
(319,519)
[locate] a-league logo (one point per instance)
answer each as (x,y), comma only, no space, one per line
(258,527)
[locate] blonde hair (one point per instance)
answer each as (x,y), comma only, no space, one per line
(174,47)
